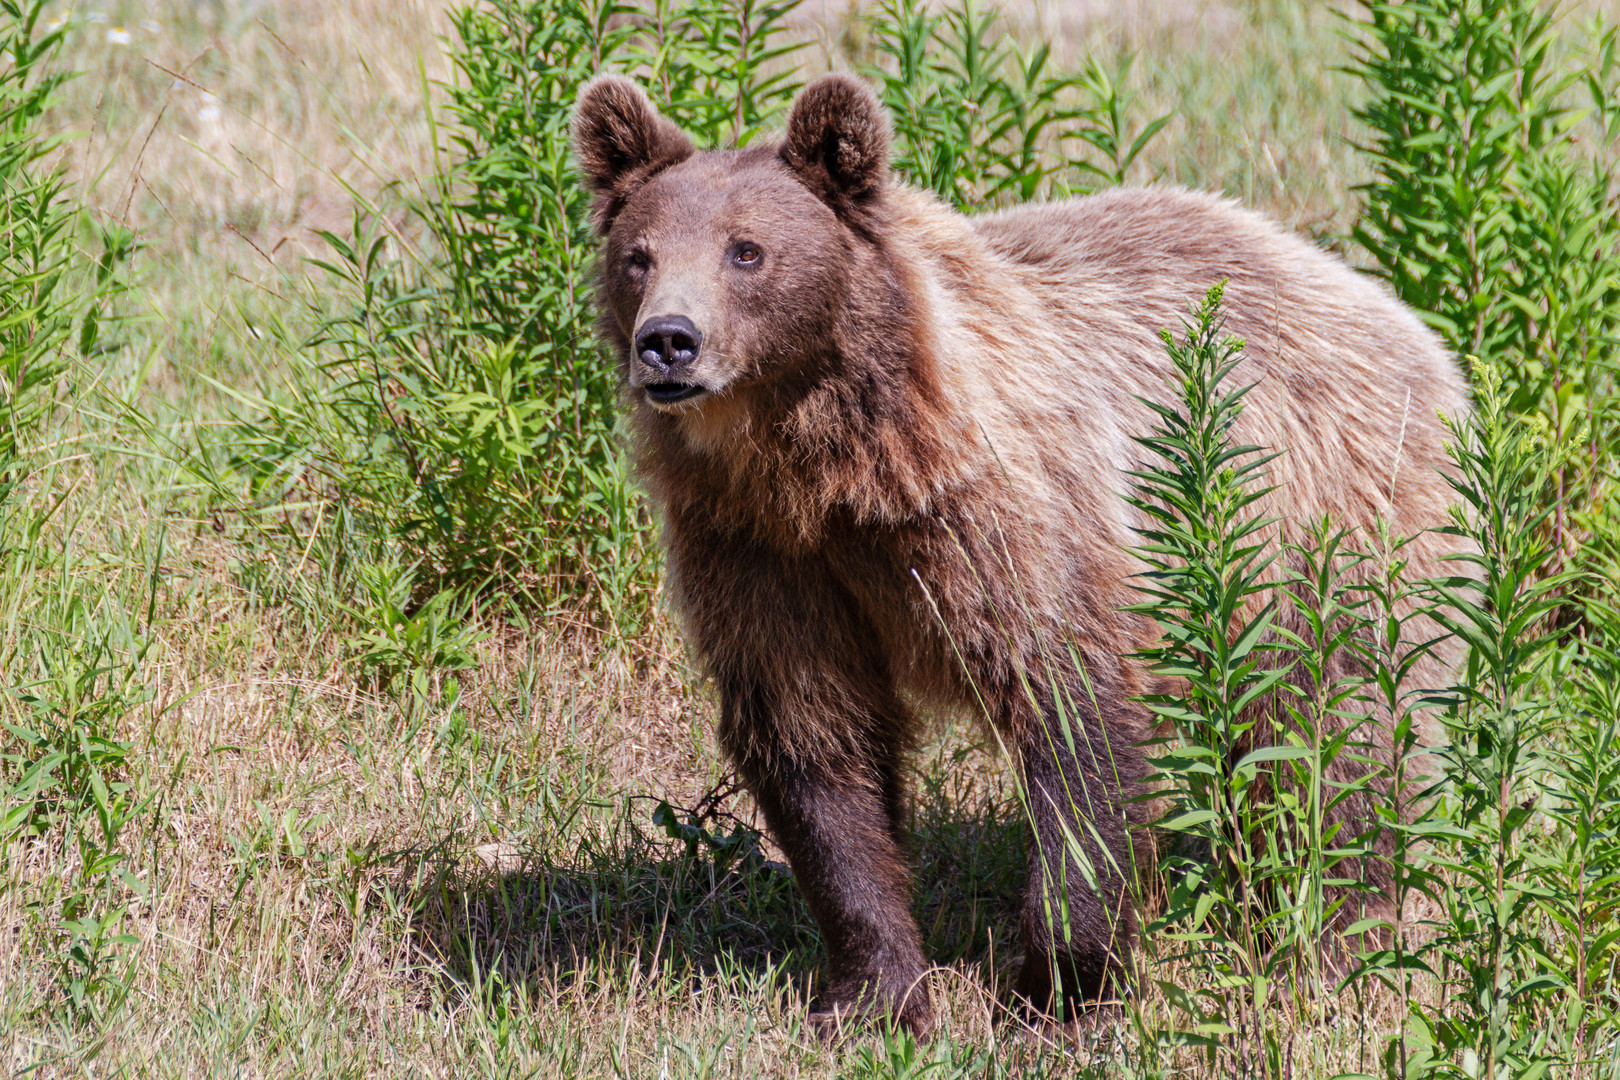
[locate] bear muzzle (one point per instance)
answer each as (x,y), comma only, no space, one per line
(666,349)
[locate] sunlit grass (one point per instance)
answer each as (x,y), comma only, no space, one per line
(305,893)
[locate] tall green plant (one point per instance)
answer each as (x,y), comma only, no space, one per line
(1492,211)
(1578,856)
(1208,587)
(1398,636)
(980,120)
(38,307)
(1283,655)
(1486,215)
(1489,938)
(1512,843)
(722,69)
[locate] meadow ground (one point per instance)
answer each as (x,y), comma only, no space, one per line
(462,877)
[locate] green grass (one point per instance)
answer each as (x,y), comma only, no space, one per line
(315,865)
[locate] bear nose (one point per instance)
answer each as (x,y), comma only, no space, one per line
(668,341)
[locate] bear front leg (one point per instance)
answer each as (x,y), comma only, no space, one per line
(810,717)
(836,829)
(1078,920)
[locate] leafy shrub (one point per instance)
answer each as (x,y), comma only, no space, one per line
(1254,852)
(1481,869)
(1487,213)
(1492,208)
(460,407)
(456,404)
(63,771)
(36,316)
(980,120)
(1511,844)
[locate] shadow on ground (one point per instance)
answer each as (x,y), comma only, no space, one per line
(717,904)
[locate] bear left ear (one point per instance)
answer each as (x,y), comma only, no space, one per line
(621,142)
(838,141)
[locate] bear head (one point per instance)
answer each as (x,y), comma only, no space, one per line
(727,270)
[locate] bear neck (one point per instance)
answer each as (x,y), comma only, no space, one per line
(871,434)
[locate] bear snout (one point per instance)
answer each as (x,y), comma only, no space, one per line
(668,344)
(666,350)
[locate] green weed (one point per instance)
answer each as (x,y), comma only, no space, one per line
(980,120)
(1492,212)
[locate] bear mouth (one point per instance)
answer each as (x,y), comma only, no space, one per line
(668,393)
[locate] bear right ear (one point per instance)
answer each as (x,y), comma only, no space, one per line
(621,142)
(838,141)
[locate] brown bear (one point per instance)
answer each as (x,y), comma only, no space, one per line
(889,445)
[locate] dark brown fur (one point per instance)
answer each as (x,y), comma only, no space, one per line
(897,484)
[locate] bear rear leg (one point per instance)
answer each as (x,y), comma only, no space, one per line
(1078,920)
(840,836)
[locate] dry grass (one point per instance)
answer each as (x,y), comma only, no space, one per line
(311,896)
(310,900)
(250,120)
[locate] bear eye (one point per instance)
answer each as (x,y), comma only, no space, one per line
(639,260)
(746,254)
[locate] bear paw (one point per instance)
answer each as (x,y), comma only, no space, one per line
(838,1016)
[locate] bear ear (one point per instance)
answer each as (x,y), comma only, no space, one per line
(838,141)
(621,142)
